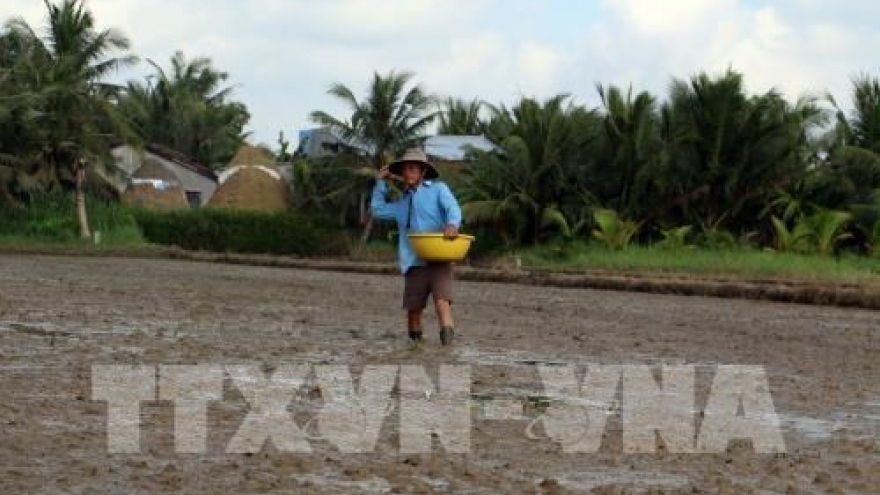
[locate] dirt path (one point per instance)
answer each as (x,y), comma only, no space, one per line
(60,316)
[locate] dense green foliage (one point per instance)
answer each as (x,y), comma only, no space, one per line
(707,164)
(188,111)
(57,105)
(241,232)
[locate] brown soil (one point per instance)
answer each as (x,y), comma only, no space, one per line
(59,316)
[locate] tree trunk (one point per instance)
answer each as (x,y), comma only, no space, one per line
(366,220)
(368,229)
(84,231)
(380,160)
(536,226)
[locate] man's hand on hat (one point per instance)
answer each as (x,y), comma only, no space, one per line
(385,174)
(451,232)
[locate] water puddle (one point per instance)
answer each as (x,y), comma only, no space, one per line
(506,357)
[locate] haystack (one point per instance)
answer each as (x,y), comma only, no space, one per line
(251,182)
(249,155)
(155,187)
(251,188)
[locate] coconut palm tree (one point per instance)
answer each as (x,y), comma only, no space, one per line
(794,239)
(613,231)
(393,116)
(531,185)
(460,117)
(67,95)
(862,127)
(828,229)
(631,147)
(18,125)
(188,109)
(854,144)
(732,149)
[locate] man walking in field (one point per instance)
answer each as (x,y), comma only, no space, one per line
(427,205)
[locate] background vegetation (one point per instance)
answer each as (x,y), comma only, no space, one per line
(680,181)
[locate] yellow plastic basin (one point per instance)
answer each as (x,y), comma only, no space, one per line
(435,247)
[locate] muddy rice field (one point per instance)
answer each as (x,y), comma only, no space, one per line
(62,316)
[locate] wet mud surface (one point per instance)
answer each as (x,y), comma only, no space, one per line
(61,316)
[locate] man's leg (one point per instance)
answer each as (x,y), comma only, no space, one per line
(441,287)
(415,295)
(444,312)
(414,323)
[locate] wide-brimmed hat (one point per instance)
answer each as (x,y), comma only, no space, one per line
(413,155)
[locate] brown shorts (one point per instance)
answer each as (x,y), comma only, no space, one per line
(419,281)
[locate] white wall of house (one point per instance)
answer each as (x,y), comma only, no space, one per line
(193,183)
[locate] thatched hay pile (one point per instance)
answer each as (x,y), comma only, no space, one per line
(249,155)
(155,187)
(252,182)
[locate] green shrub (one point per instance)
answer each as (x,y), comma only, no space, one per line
(53,218)
(676,238)
(242,232)
(795,239)
(716,238)
(614,232)
(488,243)
(828,229)
(819,233)
(874,240)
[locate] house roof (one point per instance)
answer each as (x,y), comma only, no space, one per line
(455,148)
(328,135)
(440,147)
(152,168)
(179,159)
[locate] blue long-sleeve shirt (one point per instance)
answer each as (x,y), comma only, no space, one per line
(433,207)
